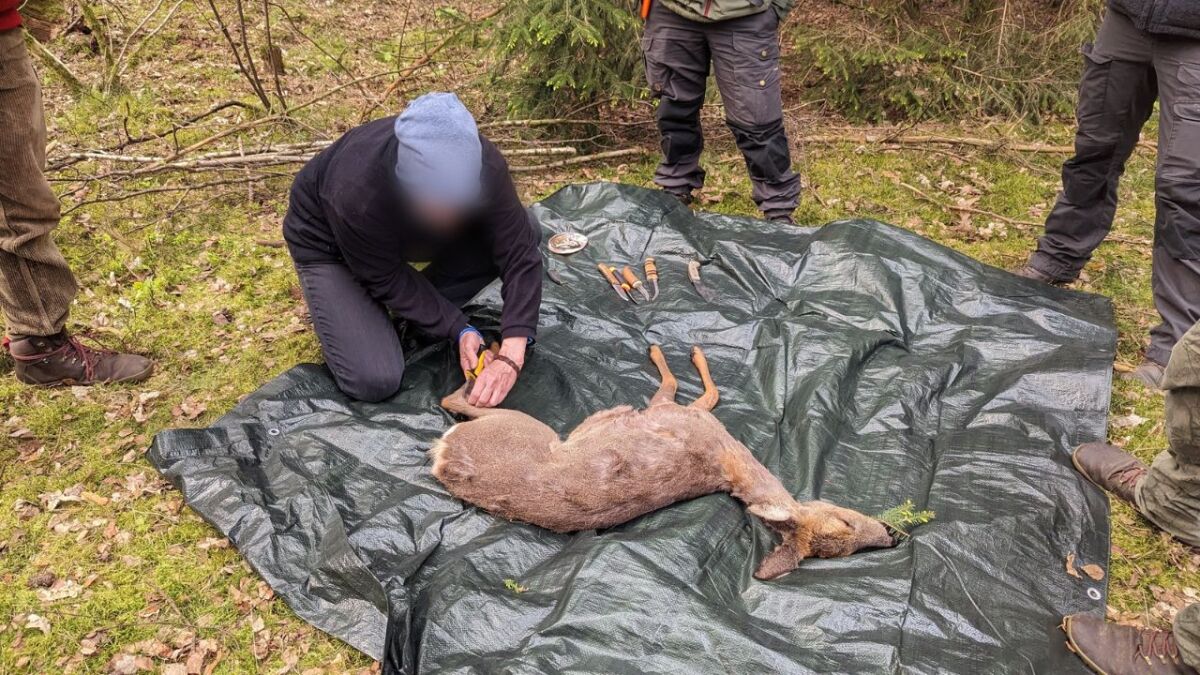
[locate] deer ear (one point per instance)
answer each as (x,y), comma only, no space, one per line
(777,517)
(779,562)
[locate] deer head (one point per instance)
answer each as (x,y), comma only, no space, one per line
(815,529)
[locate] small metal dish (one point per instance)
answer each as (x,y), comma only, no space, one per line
(566,243)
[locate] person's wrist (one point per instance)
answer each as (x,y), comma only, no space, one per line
(469,330)
(514,348)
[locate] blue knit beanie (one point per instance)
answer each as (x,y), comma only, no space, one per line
(438,154)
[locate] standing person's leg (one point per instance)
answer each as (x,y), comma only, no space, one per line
(357,335)
(1116,97)
(1169,495)
(1177,223)
(36,286)
(1187,634)
(677,56)
(745,53)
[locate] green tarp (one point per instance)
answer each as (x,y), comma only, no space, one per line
(863,364)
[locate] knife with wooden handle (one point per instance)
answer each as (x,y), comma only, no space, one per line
(634,282)
(611,277)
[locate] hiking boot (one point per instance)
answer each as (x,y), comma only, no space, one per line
(684,198)
(63,360)
(1148,373)
(1028,271)
(1110,468)
(1113,649)
(782,219)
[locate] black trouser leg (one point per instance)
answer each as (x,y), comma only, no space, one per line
(1177,187)
(1116,97)
(677,57)
(745,56)
(357,335)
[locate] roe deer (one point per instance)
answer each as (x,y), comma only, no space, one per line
(621,463)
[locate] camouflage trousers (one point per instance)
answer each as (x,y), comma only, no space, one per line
(1169,495)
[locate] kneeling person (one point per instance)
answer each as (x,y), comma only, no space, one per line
(410,217)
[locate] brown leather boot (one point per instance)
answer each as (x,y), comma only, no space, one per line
(1110,467)
(1113,649)
(62,360)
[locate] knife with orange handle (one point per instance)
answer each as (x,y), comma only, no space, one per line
(652,277)
(634,282)
(611,277)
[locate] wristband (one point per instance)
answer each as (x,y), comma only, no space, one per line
(469,329)
(509,362)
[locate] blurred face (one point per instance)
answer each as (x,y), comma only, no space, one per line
(441,218)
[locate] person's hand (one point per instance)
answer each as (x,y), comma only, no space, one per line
(499,376)
(469,344)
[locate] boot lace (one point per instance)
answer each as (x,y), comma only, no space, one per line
(1131,476)
(73,351)
(1158,644)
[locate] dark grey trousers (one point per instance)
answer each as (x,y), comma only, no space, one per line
(744,53)
(358,335)
(1124,73)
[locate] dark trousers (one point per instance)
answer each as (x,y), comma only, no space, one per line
(1124,73)
(359,336)
(744,53)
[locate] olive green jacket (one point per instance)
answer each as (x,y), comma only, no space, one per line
(720,10)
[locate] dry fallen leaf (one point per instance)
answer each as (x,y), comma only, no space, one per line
(1128,421)
(94,498)
(1071,565)
(37,622)
(1094,571)
(60,590)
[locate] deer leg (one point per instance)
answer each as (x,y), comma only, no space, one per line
(666,391)
(708,400)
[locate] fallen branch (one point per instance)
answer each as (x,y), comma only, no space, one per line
(626,152)
(225,159)
(1023,225)
(962,208)
(52,62)
(555,121)
(164,188)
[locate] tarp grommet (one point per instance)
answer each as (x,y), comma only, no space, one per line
(1094,593)
(273,431)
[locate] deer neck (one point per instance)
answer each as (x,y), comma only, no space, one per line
(750,482)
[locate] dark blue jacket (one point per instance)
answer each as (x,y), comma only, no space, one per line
(1170,17)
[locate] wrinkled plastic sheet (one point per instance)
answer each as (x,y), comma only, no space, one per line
(863,364)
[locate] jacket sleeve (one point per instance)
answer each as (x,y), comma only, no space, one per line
(380,266)
(515,242)
(783,7)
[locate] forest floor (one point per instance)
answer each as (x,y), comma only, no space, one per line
(102,567)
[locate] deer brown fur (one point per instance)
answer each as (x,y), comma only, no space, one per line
(621,463)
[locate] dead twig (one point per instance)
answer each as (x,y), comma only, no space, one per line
(625,152)
(52,62)
(963,208)
(555,121)
(163,189)
(425,60)
(249,72)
